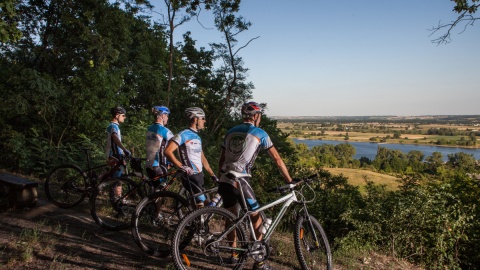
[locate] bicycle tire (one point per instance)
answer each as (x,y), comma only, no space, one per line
(111,211)
(155,220)
(195,246)
(65,185)
(309,255)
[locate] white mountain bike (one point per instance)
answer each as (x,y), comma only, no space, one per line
(207,237)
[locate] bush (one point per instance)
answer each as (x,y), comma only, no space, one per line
(421,223)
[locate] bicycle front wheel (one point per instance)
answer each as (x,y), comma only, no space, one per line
(311,244)
(155,219)
(198,242)
(66,185)
(114,201)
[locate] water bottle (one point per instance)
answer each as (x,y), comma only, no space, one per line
(215,200)
(266,224)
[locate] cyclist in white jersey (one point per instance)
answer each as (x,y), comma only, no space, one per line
(191,154)
(239,151)
(156,141)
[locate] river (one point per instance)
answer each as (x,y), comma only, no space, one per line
(369,149)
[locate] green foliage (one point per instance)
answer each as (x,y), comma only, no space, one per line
(78,59)
(426,224)
(8,22)
(465,5)
(462,161)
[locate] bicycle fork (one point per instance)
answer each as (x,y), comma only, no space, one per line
(312,229)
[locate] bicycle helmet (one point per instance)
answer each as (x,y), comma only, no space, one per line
(117,110)
(251,108)
(158,110)
(194,112)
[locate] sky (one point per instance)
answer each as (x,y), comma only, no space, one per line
(354,57)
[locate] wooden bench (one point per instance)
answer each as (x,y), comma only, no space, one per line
(20,192)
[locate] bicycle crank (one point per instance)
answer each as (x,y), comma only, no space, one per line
(260,251)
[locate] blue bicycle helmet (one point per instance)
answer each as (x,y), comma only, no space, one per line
(158,110)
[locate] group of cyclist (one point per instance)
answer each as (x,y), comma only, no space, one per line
(240,148)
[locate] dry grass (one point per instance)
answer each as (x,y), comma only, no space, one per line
(357,177)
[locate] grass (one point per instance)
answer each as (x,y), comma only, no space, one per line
(357,177)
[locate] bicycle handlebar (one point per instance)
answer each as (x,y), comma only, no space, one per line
(293,184)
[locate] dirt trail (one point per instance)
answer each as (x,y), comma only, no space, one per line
(48,237)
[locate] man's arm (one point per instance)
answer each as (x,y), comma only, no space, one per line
(171,147)
(206,165)
(117,141)
(272,151)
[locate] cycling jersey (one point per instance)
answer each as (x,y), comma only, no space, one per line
(157,138)
(112,148)
(242,144)
(190,148)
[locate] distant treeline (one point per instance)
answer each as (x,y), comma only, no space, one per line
(433,119)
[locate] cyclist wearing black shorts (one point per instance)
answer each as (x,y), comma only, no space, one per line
(115,148)
(239,151)
(191,154)
(156,141)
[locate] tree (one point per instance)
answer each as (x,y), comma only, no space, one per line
(8,21)
(415,160)
(462,161)
(235,89)
(174,19)
(76,60)
(466,10)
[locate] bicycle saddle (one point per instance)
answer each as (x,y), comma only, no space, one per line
(233,174)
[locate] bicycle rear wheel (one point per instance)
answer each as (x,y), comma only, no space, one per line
(311,244)
(66,185)
(196,244)
(155,220)
(114,201)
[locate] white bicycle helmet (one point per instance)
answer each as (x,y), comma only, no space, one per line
(194,112)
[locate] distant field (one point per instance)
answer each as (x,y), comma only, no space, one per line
(357,177)
(329,134)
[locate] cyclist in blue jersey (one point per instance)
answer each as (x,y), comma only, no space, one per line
(239,151)
(189,145)
(156,141)
(115,149)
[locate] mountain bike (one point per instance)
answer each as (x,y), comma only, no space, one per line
(67,185)
(158,214)
(114,200)
(201,240)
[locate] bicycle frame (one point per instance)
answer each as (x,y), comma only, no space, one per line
(287,200)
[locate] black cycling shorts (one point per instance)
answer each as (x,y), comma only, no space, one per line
(156,171)
(231,195)
(194,183)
